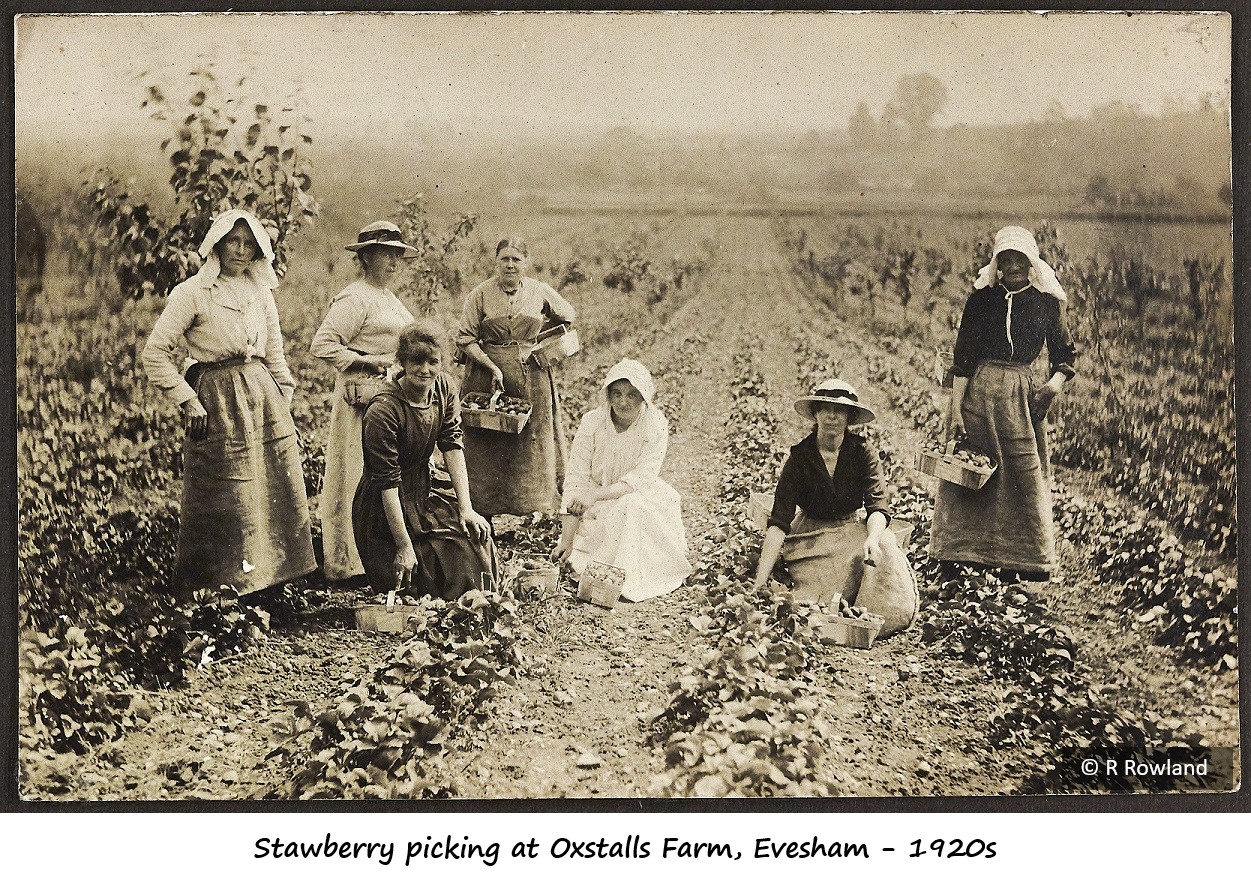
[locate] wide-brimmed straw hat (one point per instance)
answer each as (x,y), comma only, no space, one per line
(835,392)
(382,233)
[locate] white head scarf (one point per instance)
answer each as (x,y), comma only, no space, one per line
(636,373)
(1018,239)
(261,270)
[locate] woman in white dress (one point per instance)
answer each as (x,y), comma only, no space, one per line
(616,508)
(358,337)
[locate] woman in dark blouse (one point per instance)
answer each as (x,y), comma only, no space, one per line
(829,476)
(1016,307)
(407,532)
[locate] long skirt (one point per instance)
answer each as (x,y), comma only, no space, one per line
(825,557)
(1007,523)
(449,563)
(641,533)
(345,463)
(517,473)
(244,519)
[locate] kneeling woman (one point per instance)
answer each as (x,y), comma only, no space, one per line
(829,476)
(617,509)
(408,533)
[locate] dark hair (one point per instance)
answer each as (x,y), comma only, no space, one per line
(256,246)
(512,242)
(366,250)
(418,340)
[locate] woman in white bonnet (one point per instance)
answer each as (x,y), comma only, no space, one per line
(1017,306)
(244,515)
(616,508)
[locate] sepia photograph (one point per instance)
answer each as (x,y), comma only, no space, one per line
(607,405)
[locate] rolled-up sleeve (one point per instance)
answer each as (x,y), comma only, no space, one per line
(578,465)
(1061,349)
(342,324)
(160,354)
(471,316)
(786,496)
(380,437)
(275,358)
(557,305)
(451,436)
(876,494)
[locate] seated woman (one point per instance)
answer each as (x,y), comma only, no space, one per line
(407,533)
(829,476)
(617,509)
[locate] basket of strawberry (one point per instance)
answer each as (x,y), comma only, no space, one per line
(494,412)
(958,463)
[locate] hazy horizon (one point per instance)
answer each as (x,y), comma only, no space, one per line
(544,74)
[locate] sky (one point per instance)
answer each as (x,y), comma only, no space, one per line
(730,72)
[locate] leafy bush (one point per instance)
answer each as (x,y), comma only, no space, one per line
(385,737)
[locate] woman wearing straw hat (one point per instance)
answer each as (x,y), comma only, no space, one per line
(1016,307)
(500,323)
(358,337)
(244,517)
(829,476)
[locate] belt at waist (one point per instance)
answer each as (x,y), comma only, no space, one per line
(1003,363)
(227,363)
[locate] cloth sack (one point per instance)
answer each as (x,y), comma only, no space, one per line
(889,588)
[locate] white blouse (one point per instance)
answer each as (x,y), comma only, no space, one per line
(600,456)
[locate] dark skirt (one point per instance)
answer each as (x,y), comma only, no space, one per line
(244,518)
(1007,523)
(517,473)
(449,563)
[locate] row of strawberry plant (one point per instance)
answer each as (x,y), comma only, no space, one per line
(390,734)
(743,720)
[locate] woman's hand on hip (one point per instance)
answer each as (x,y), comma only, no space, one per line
(376,362)
(196,417)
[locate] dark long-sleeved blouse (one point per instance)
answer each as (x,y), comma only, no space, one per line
(805,483)
(1037,318)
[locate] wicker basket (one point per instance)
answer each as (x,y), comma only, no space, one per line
(946,466)
(601,584)
(490,418)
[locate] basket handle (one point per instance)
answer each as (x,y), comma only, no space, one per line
(390,601)
(495,397)
(951,448)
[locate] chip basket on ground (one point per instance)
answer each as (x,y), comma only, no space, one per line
(601,584)
(537,578)
(949,466)
(388,617)
(498,412)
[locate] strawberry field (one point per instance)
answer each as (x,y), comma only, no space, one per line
(130,692)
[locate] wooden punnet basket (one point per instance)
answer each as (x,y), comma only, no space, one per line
(490,418)
(541,580)
(555,344)
(385,618)
(601,584)
(946,466)
(851,632)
